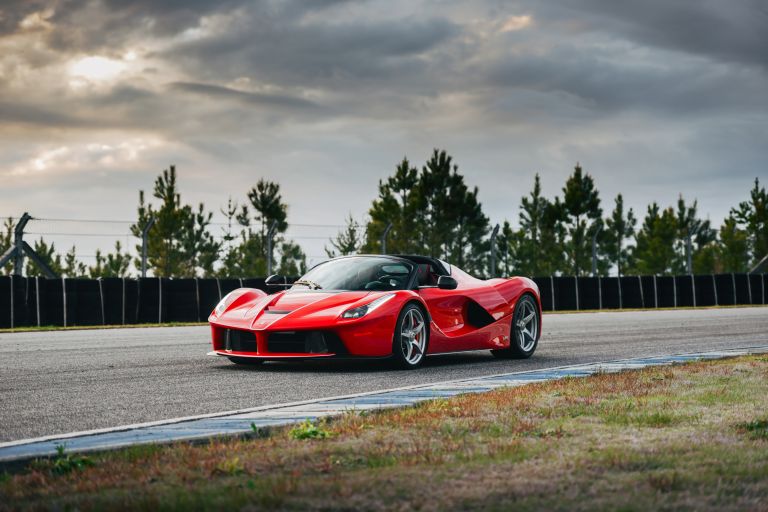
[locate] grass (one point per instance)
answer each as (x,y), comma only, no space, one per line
(691,436)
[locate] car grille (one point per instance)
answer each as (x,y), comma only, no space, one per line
(306,342)
(240,341)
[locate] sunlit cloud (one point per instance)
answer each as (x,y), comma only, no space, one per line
(96,68)
(514,23)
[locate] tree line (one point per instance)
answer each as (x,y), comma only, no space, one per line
(431,210)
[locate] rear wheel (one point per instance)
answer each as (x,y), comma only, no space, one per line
(524,335)
(409,346)
(249,361)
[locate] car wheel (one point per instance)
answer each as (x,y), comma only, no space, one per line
(248,361)
(409,346)
(525,332)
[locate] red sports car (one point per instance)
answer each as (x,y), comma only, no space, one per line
(400,307)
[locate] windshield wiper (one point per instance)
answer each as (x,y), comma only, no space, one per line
(309,284)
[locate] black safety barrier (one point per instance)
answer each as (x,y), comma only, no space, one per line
(705,290)
(590,295)
(38,301)
(546,292)
(610,289)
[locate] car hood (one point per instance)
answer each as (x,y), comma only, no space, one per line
(295,309)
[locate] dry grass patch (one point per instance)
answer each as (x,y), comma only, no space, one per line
(690,436)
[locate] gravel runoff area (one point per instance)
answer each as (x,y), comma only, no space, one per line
(58,382)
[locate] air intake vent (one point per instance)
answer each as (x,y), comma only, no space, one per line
(305,342)
(240,341)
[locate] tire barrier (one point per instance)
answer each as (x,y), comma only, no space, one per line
(38,301)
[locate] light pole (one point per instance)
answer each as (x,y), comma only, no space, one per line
(270,234)
(494,233)
(144,237)
(597,226)
(384,238)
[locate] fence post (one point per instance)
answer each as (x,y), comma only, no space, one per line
(642,294)
(64,298)
(218,286)
(600,291)
(552,284)
(655,293)
(197,297)
(123,302)
(576,281)
(37,298)
(693,289)
(714,287)
(101,298)
(159,300)
(749,288)
(674,289)
(621,296)
(733,281)
(13,312)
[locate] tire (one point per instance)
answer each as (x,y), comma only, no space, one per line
(246,361)
(411,339)
(525,332)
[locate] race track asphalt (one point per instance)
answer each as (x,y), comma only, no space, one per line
(64,381)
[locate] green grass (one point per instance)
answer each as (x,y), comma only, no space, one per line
(691,437)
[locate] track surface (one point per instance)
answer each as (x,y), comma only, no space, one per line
(58,382)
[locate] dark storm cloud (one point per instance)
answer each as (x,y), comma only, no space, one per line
(310,54)
(732,31)
(602,81)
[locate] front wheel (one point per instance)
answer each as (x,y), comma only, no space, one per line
(524,335)
(409,346)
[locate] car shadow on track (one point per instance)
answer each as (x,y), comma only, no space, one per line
(432,363)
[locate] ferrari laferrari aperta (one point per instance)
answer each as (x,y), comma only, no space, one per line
(369,306)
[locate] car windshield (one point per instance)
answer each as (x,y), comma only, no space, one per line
(357,273)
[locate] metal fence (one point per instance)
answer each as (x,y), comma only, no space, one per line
(37,301)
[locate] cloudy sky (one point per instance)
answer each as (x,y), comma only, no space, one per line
(653,98)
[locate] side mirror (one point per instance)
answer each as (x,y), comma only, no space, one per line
(446,283)
(276,280)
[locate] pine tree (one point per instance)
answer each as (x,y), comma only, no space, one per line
(47,253)
(397,203)
(178,244)
(619,227)
(582,204)
(508,245)
(347,241)
(752,217)
(734,247)
(655,242)
(700,231)
(293,261)
(6,241)
(114,264)
(541,248)
(72,267)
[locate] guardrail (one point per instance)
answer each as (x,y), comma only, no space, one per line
(38,301)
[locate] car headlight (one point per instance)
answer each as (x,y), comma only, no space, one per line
(223,303)
(361,311)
